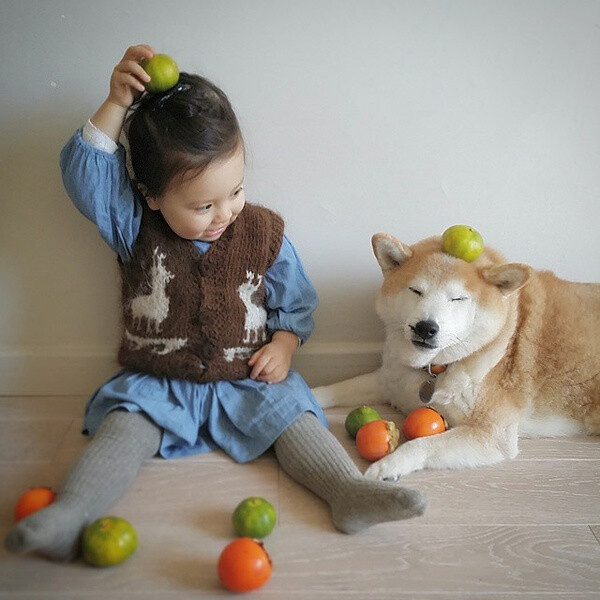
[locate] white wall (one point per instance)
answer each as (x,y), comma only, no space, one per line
(360,116)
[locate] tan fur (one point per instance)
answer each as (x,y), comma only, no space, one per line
(554,358)
(536,373)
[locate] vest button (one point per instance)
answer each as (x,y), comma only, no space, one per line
(202,316)
(207,350)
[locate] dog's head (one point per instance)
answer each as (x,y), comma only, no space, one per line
(437,308)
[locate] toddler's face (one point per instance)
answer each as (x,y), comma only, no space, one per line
(203,206)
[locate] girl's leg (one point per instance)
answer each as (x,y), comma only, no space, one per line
(312,456)
(104,471)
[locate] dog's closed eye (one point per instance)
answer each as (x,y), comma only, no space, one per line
(459,299)
(416,291)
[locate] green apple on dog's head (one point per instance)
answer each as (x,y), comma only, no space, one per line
(462,241)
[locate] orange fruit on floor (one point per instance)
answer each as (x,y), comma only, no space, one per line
(244,565)
(33,500)
(422,422)
(377,439)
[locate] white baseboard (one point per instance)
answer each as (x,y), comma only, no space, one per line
(54,371)
(322,363)
(74,371)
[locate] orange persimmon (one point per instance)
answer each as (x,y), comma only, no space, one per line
(422,422)
(244,565)
(33,500)
(376,439)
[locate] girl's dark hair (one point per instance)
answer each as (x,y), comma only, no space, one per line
(180,132)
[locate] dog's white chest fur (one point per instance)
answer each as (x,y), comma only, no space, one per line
(401,385)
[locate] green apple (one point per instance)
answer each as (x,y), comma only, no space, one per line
(358,417)
(462,241)
(108,541)
(254,517)
(163,71)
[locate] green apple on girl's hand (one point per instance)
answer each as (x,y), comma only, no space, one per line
(163,71)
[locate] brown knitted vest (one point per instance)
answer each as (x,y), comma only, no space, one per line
(194,316)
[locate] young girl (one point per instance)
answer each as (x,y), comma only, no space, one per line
(215,303)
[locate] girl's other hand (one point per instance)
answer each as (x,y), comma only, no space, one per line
(128,77)
(272,362)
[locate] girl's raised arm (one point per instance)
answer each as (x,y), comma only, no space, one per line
(126,86)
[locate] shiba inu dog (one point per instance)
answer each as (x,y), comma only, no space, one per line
(516,352)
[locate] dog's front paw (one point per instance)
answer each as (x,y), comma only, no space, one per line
(451,386)
(392,467)
(442,397)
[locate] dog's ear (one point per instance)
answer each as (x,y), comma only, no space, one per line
(507,278)
(390,253)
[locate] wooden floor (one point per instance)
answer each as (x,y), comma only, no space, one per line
(527,528)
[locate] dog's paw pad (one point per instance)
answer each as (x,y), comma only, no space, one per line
(381,471)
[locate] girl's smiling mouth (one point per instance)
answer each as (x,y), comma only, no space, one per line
(216,231)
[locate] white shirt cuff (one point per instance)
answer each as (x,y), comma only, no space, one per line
(98,139)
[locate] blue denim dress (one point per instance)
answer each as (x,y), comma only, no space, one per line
(242,417)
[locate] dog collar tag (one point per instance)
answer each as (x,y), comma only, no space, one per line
(428,387)
(426,391)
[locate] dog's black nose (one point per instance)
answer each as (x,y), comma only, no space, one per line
(426,329)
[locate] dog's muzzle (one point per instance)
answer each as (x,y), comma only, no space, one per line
(425,332)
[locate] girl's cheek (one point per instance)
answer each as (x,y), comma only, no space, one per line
(241,206)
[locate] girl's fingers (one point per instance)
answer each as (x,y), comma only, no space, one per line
(272,371)
(269,369)
(129,80)
(138,52)
(254,358)
(139,72)
(275,377)
(148,50)
(134,68)
(259,366)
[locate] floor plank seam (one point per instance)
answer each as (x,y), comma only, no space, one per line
(559,459)
(596,535)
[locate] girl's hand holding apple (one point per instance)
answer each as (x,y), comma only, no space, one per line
(126,86)
(128,77)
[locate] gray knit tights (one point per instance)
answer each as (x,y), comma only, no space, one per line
(312,456)
(306,450)
(107,467)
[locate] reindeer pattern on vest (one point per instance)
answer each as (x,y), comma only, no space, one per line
(195,316)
